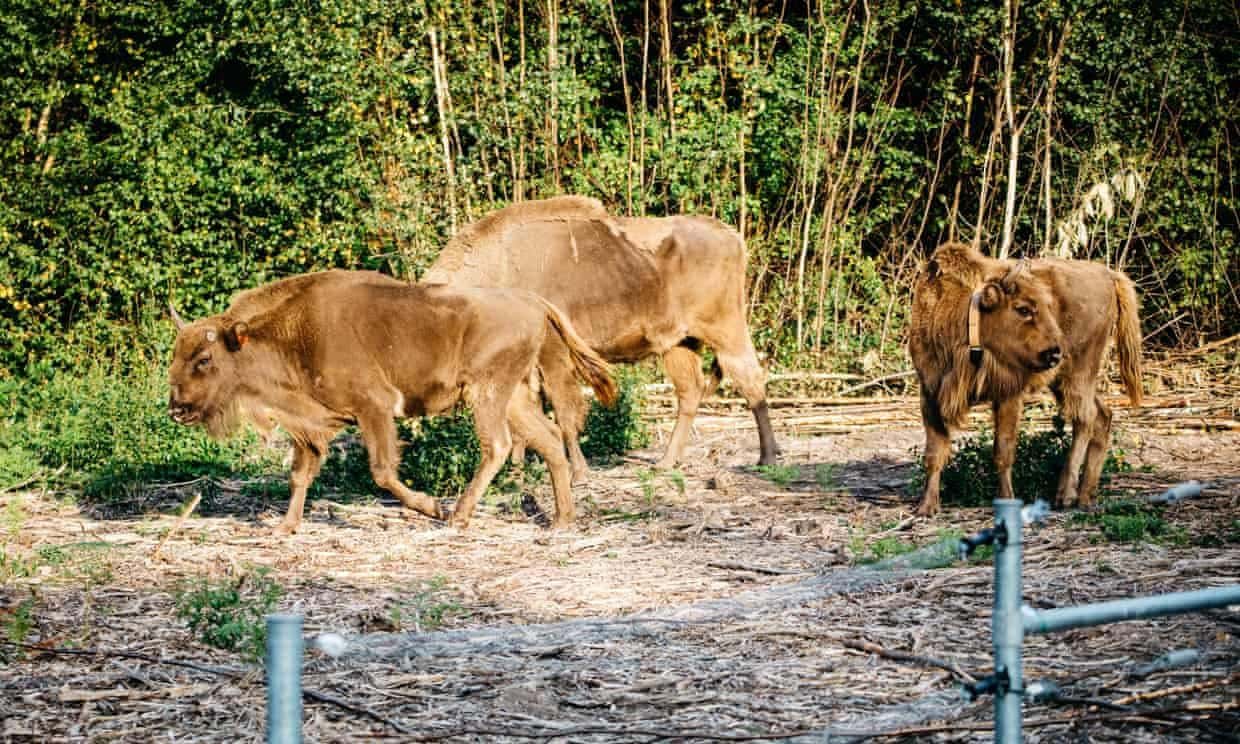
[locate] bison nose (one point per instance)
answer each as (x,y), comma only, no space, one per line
(1051,357)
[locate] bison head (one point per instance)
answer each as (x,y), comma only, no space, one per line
(204,377)
(1019,323)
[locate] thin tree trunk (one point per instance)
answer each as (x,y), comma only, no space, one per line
(441,85)
(964,138)
(502,76)
(553,113)
(1009,206)
(628,105)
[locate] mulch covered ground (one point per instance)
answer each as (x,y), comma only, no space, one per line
(732,610)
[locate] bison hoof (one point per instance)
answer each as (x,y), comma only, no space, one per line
(580,477)
(285,528)
(768,459)
(926,510)
(459,523)
(667,463)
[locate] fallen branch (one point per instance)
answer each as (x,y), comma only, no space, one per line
(930,661)
(177,525)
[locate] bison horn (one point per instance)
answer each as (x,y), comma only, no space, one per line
(1009,279)
(176,317)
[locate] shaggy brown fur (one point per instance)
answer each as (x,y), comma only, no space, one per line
(1043,322)
(633,287)
(316,352)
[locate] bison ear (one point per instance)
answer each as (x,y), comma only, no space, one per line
(932,269)
(991,296)
(236,336)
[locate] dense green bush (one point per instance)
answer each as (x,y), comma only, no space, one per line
(611,431)
(970,479)
(107,433)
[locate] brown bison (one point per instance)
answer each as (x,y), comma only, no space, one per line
(319,351)
(984,330)
(633,288)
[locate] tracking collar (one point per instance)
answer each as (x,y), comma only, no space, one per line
(975,328)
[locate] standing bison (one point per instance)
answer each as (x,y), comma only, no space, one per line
(319,351)
(634,288)
(984,330)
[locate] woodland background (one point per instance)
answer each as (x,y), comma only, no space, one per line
(186,150)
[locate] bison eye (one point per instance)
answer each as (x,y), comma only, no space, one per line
(1024,312)
(203,363)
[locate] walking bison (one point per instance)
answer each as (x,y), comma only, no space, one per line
(316,352)
(984,330)
(634,288)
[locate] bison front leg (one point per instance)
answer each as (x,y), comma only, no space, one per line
(938,451)
(1007,422)
(1096,453)
(379,432)
(307,460)
(495,441)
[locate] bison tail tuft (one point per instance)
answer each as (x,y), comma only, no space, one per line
(589,365)
(1128,338)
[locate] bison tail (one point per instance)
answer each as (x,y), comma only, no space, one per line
(593,368)
(1128,338)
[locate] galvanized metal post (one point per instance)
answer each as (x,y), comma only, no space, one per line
(1007,627)
(284,652)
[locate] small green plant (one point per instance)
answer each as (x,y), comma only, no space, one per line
(17,626)
(611,432)
(969,479)
(427,609)
(826,475)
(14,514)
(14,566)
(231,614)
(780,475)
(1132,520)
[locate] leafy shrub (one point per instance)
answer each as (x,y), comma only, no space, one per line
(1132,520)
(106,433)
(231,614)
(780,475)
(969,478)
(611,432)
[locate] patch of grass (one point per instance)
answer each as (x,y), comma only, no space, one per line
(826,475)
(108,434)
(14,566)
(1130,521)
(969,479)
(230,614)
(427,609)
(780,475)
(611,432)
(14,514)
(20,621)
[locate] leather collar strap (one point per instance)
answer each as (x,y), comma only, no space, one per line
(975,328)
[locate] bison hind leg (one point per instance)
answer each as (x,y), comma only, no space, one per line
(1096,454)
(529,424)
(495,442)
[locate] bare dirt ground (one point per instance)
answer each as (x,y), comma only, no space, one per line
(733,609)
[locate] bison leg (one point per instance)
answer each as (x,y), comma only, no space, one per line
(1096,454)
(495,441)
(529,423)
(564,394)
(1007,422)
(307,460)
(684,369)
(938,451)
(379,432)
(740,363)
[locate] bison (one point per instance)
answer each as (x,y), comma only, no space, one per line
(634,288)
(984,330)
(319,351)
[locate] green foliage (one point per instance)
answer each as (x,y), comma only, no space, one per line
(107,433)
(20,622)
(969,479)
(1132,520)
(826,475)
(610,432)
(230,614)
(427,609)
(780,475)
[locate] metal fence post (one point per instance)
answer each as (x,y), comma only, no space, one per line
(284,652)
(1007,625)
